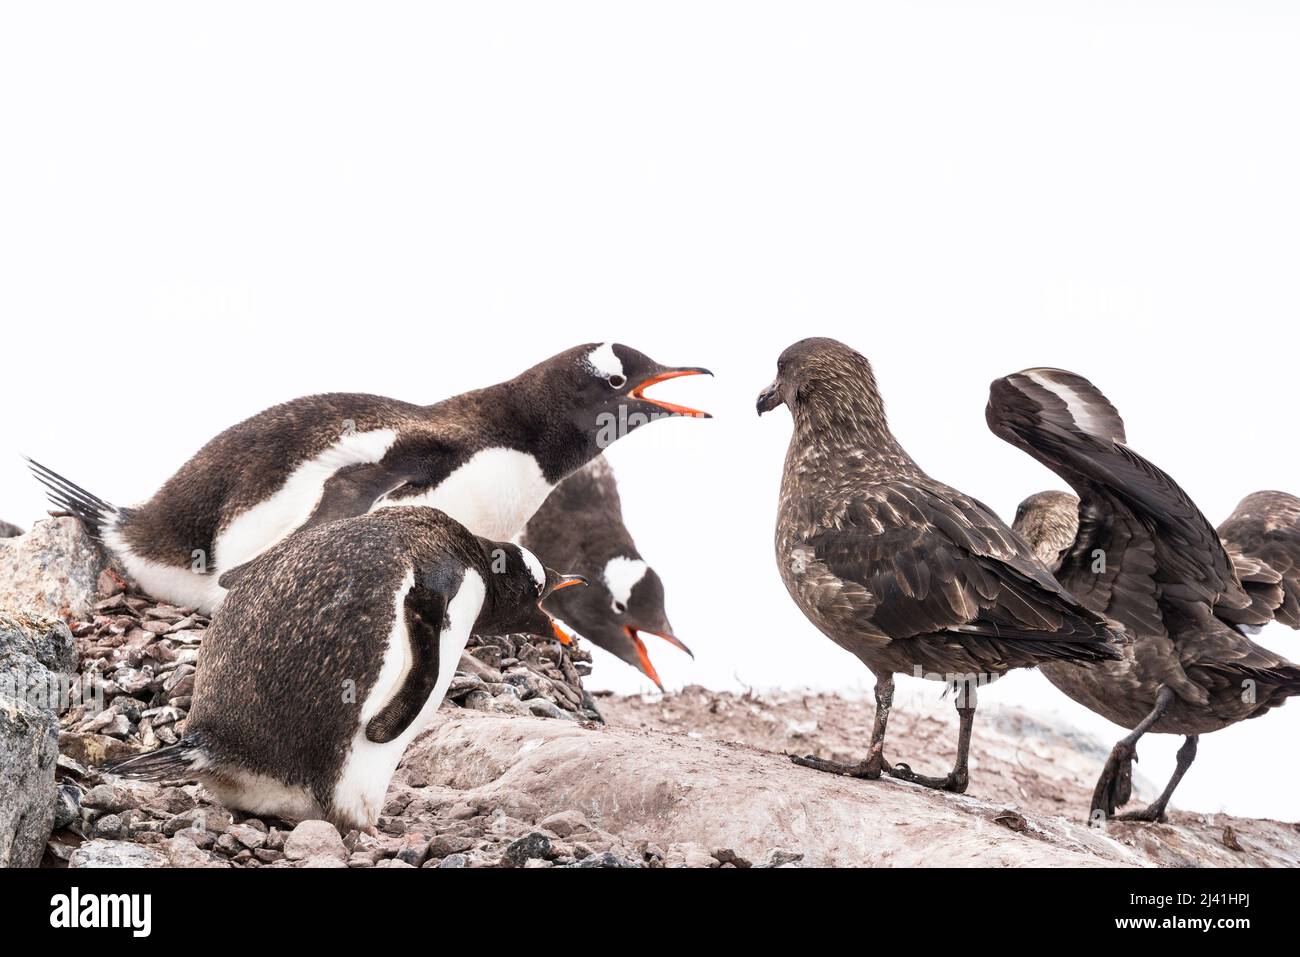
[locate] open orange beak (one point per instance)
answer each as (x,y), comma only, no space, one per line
(639,392)
(644,657)
(563,636)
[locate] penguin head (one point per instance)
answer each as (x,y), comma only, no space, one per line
(620,606)
(597,391)
(517,583)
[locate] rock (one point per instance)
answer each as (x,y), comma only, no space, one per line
(35,654)
(109,584)
(207,818)
(506,703)
(324,860)
(246,836)
(670,788)
(9,530)
(109,798)
(545,708)
(94,749)
(780,858)
(728,856)
(512,803)
(171,801)
(52,570)
(454,860)
(527,848)
(100,853)
(315,839)
(606,859)
(414,851)
(689,854)
(110,826)
(564,823)
(471,665)
(67,805)
(445,845)
(181,851)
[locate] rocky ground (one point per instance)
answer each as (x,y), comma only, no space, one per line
(137,658)
(519,770)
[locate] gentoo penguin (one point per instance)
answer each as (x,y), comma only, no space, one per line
(903,571)
(580,528)
(488,458)
(332,651)
(1135,548)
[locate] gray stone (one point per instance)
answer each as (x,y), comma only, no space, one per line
(246,836)
(181,851)
(779,858)
(446,844)
(52,570)
(413,852)
(506,703)
(529,847)
(208,818)
(9,530)
(35,656)
(109,826)
(100,853)
(67,805)
(607,859)
(313,839)
(106,797)
(544,708)
(564,823)
(477,701)
(454,860)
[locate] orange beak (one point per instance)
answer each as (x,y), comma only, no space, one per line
(644,658)
(562,636)
(643,655)
(568,581)
(639,392)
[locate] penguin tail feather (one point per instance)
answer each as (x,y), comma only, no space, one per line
(69,497)
(174,762)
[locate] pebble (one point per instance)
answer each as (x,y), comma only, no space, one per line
(564,823)
(529,847)
(315,839)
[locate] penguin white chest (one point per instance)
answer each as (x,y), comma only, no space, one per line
(369,766)
(494,494)
(260,527)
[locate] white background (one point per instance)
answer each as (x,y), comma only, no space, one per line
(204,212)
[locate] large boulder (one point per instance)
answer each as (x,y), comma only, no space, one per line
(8,530)
(688,794)
(36,657)
(52,570)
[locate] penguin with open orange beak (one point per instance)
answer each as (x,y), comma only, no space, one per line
(580,528)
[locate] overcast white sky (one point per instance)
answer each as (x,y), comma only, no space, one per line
(204,212)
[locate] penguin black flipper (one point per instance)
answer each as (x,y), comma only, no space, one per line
(354,490)
(425,610)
